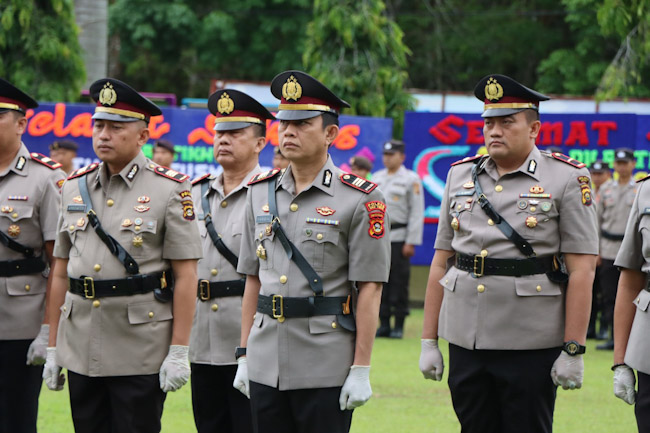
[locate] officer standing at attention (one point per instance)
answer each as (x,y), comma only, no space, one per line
(616,199)
(514,320)
(631,316)
(29,206)
(124,284)
(315,252)
(221,201)
(64,152)
(163,153)
(405,200)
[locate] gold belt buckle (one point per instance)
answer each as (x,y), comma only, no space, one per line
(89,282)
(479,262)
(204,290)
(274,303)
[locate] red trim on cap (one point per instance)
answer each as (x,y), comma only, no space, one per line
(310,100)
(124,106)
(510,99)
(240,113)
(13,101)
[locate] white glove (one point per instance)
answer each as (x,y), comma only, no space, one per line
(52,372)
(431,363)
(241,382)
(37,351)
(356,390)
(624,382)
(567,371)
(175,369)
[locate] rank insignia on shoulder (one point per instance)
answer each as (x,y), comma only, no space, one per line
(171,174)
(357,182)
(259,177)
(466,159)
(83,170)
(566,159)
(45,160)
(202,178)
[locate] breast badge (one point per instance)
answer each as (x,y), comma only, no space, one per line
(13,230)
(261,252)
(531,222)
(325,210)
(137,241)
(455,223)
(77,199)
(141,208)
(143,199)
(6,209)
(127,223)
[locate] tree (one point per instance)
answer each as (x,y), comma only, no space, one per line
(92,18)
(357,51)
(39,50)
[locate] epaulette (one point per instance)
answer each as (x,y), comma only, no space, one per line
(45,160)
(264,176)
(357,182)
(566,159)
(466,159)
(170,174)
(202,178)
(83,170)
(643,178)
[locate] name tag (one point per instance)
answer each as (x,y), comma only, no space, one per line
(463,193)
(646,211)
(76,208)
(263,219)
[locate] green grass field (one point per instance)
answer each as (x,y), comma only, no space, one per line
(404,402)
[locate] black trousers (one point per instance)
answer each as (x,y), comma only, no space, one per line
(642,406)
(608,278)
(116,404)
(20,386)
(298,411)
(395,295)
(503,391)
(596,303)
(217,406)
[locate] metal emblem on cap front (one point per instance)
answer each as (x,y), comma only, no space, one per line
(107,95)
(225,105)
(493,90)
(292,89)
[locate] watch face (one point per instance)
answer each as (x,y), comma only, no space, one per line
(572,348)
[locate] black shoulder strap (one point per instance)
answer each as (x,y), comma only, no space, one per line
(114,247)
(314,280)
(13,245)
(216,238)
(522,244)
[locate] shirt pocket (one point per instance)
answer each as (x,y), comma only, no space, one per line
(537,221)
(149,312)
(319,245)
(15,222)
(460,214)
(77,229)
(138,235)
(541,286)
(26,285)
(449,280)
(642,301)
(644,230)
(324,325)
(264,245)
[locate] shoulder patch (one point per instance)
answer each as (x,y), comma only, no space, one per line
(202,178)
(45,160)
(170,174)
(357,182)
(466,159)
(83,170)
(566,159)
(643,179)
(264,176)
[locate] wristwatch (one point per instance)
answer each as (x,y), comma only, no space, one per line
(574,348)
(239,352)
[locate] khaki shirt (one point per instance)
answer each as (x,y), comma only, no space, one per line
(29,207)
(312,352)
(635,254)
(500,312)
(405,201)
(216,329)
(615,202)
(122,335)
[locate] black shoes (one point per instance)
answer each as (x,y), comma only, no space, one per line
(383,331)
(396,333)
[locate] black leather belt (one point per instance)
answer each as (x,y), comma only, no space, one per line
(280,307)
(479,265)
(395,226)
(31,265)
(135,285)
(611,236)
(220,289)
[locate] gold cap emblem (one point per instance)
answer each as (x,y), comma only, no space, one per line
(493,90)
(292,89)
(225,105)
(107,95)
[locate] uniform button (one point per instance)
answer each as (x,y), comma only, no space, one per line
(293,207)
(334,325)
(97,267)
(484,253)
(308,232)
(27,287)
(459,207)
(498,188)
(137,228)
(224,203)
(446,280)
(14,215)
(214,272)
(96,303)
(490,222)
(480,288)
(533,208)
(215,307)
(151,314)
(110,202)
(319,236)
(65,308)
(283,279)
(538,288)
(70,227)
(152,165)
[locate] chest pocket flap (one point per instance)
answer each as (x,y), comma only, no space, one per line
(16,212)
(536,286)
(642,300)
(145,312)
(147,225)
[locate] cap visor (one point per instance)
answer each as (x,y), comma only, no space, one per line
(297,114)
(229,126)
(500,112)
(113,117)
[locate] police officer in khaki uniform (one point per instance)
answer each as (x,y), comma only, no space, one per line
(240,137)
(29,206)
(405,200)
(163,153)
(64,152)
(616,197)
(631,314)
(515,321)
(124,286)
(315,252)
